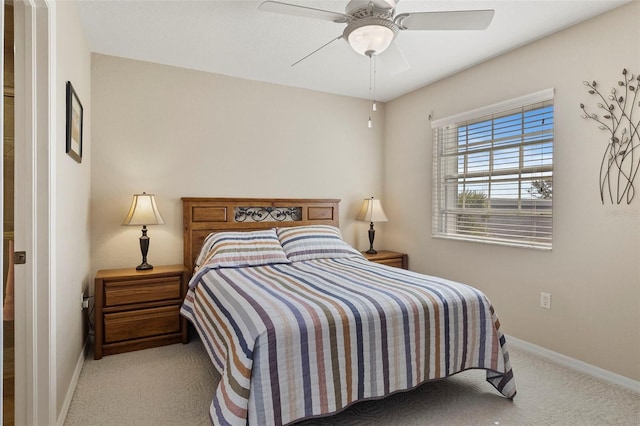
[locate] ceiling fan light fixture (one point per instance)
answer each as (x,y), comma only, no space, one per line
(370,36)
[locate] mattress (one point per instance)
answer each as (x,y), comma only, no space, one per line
(309,338)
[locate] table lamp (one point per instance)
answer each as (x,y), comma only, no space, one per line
(144,211)
(371,211)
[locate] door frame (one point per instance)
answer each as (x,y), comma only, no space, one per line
(2,24)
(35,289)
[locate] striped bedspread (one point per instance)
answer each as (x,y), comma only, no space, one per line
(310,338)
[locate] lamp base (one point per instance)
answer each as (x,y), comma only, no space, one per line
(372,236)
(144,266)
(144,249)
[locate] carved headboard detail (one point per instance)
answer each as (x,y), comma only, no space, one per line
(202,216)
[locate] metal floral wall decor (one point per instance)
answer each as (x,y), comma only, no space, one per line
(620,161)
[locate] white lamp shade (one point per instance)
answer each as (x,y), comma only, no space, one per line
(371,38)
(143,211)
(372,211)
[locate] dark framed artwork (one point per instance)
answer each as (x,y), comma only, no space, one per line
(74,124)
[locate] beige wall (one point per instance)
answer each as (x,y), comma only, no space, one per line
(592,271)
(71,195)
(176,132)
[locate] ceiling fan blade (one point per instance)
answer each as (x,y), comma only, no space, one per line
(393,59)
(323,46)
(449,20)
(307,12)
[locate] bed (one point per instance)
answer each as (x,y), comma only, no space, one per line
(299,324)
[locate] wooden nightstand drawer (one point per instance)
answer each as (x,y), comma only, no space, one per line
(390,258)
(138,291)
(139,309)
(141,323)
(396,263)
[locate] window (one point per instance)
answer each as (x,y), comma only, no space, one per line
(493,173)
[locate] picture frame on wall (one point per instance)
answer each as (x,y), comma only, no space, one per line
(74,124)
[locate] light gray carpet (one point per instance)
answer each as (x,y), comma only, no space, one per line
(173,385)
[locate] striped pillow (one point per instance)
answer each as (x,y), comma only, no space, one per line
(314,242)
(204,250)
(238,249)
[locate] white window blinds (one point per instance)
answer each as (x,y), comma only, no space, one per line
(493,173)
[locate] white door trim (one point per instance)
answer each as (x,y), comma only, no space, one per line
(35,357)
(2,24)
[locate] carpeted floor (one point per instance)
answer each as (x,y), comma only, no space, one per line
(173,385)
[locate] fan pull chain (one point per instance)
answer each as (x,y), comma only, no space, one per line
(371,68)
(373,106)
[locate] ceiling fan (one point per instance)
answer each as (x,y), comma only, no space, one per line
(372,25)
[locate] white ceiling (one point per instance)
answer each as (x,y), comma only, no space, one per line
(235,38)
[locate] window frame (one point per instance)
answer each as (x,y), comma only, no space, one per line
(446,209)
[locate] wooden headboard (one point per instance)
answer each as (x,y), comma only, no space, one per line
(202,216)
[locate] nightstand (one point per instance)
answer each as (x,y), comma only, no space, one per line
(391,258)
(139,309)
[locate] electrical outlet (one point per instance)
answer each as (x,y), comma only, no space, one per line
(84,301)
(545,300)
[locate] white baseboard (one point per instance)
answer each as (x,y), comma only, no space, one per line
(575,364)
(72,386)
